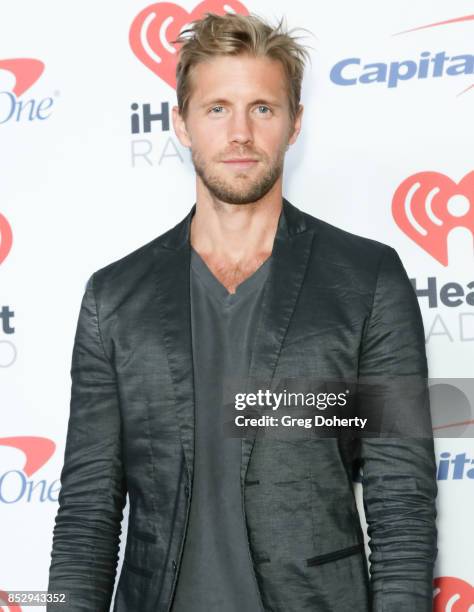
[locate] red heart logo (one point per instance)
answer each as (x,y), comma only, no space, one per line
(453,594)
(428,205)
(6,238)
(4,602)
(158,24)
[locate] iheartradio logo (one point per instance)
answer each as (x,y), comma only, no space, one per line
(4,605)
(6,238)
(452,595)
(428,205)
(158,24)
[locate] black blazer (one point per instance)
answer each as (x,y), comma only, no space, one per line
(336,306)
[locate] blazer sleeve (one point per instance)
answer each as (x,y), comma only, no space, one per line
(87,528)
(399,469)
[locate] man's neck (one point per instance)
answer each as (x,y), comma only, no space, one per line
(234,240)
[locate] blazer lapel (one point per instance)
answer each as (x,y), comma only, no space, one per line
(291,250)
(174,307)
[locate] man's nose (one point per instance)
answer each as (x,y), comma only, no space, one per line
(240,127)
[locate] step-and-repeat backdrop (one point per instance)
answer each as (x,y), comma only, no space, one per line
(91,169)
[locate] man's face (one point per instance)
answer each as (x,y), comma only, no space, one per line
(238,110)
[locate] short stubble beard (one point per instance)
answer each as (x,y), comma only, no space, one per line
(232,194)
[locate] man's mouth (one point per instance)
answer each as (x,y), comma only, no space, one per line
(244,162)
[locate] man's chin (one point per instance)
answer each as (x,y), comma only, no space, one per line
(241,189)
(230,195)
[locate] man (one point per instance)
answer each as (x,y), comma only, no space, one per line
(246,288)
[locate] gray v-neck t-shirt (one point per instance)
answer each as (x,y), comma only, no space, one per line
(216,573)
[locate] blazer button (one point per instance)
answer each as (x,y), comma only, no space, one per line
(174,566)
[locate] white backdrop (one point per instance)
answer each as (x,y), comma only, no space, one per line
(78,190)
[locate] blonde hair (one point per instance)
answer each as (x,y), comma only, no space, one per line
(232,34)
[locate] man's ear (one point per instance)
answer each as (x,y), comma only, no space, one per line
(296,127)
(180,127)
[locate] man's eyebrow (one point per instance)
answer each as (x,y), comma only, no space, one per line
(216,101)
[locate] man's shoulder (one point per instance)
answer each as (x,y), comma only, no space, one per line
(133,266)
(342,247)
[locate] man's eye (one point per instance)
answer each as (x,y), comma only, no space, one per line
(214,108)
(264,108)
